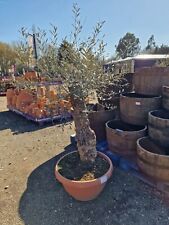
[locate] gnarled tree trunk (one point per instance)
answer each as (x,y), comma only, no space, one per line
(85,136)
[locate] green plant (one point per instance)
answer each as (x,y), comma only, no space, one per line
(80,65)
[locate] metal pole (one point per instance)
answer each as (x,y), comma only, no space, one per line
(34,46)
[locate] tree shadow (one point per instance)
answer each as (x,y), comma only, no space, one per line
(45,202)
(18,124)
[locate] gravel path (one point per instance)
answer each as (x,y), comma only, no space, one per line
(30,195)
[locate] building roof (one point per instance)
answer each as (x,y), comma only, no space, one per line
(141,57)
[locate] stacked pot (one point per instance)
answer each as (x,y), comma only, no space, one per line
(127,134)
(153,151)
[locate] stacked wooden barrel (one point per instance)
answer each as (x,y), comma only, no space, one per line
(122,137)
(147,105)
(153,150)
(134,107)
(98,118)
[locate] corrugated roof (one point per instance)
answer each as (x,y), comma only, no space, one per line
(142,57)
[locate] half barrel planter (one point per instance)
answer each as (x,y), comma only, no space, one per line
(98,120)
(158,127)
(134,108)
(122,137)
(152,159)
(150,80)
(165,101)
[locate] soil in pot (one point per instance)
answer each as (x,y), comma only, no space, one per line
(161,114)
(119,125)
(72,168)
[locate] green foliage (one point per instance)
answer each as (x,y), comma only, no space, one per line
(24,49)
(151,45)
(128,46)
(78,62)
(163,49)
(7,57)
(63,52)
(152,48)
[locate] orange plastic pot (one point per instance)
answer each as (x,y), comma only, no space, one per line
(30,75)
(9,96)
(84,190)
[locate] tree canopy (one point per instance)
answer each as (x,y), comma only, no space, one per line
(128,46)
(7,57)
(151,45)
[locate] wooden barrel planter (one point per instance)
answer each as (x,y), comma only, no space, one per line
(122,137)
(134,108)
(165,101)
(152,159)
(158,127)
(150,80)
(98,120)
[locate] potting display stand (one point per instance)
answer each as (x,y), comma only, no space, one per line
(60,118)
(2,93)
(41,121)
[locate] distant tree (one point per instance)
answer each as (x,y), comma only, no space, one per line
(63,51)
(151,45)
(23,50)
(163,49)
(128,46)
(7,57)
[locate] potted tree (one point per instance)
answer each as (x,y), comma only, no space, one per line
(79,64)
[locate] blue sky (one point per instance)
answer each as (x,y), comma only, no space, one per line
(142,17)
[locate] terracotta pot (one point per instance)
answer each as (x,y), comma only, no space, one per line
(30,75)
(9,96)
(41,91)
(84,190)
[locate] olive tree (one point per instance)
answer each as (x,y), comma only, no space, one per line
(80,65)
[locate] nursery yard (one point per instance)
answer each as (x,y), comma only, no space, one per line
(30,195)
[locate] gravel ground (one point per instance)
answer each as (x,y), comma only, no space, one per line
(30,195)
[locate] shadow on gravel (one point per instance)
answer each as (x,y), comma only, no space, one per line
(125,200)
(17,124)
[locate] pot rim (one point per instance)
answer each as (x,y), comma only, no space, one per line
(144,129)
(146,151)
(101,179)
(149,97)
(150,114)
(101,111)
(165,86)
